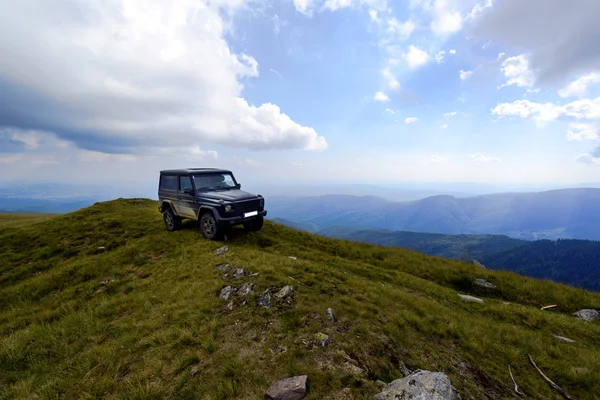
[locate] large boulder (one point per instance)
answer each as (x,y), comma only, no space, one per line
(288,389)
(420,385)
(587,314)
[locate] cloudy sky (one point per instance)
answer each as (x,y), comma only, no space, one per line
(350,90)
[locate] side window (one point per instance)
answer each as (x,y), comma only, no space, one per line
(185,183)
(168,182)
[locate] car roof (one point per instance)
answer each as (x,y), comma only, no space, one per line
(193,171)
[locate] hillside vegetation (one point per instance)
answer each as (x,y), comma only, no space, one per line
(105,303)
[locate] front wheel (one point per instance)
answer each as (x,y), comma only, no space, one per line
(209,226)
(255,224)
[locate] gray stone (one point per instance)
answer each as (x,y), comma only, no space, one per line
(484,283)
(285,292)
(194,371)
(292,258)
(420,385)
(264,300)
(226,292)
(246,289)
(564,339)
(239,272)
(101,248)
(323,339)
(405,371)
(381,384)
(466,297)
(288,389)
(221,250)
(587,314)
(225,277)
(223,267)
(230,305)
(253,275)
(330,315)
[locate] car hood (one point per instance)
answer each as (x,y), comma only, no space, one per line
(227,195)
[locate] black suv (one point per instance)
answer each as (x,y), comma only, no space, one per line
(211,196)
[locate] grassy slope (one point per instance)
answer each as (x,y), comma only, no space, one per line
(20,219)
(64,333)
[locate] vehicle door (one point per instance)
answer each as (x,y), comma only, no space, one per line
(185,197)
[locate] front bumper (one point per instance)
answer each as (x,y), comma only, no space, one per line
(239,219)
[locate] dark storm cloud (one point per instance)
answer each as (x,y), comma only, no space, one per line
(561,36)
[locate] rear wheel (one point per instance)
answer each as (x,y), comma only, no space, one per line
(210,227)
(172,223)
(254,225)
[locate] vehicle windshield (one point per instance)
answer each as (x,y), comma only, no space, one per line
(214,181)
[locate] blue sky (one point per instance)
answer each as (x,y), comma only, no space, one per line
(337,90)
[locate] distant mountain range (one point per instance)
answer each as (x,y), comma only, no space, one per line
(566,213)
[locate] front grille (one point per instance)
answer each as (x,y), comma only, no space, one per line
(247,205)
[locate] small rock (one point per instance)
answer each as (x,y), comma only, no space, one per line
(466,297)
(381,384)
(587,314)
(226,292)
(194,371)
(484,283)
(230,305)
(292,258)
(101,248)
(422,385)
(239,272)
(264,300)
(330,315)
(225,276)
(405,371)
(351,369)
(223,267)
(246,289)
(285,292)
(221,250)
(253,275)
(323,339)
(288,389)
(565,339)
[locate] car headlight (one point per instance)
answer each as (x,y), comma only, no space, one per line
(228,207)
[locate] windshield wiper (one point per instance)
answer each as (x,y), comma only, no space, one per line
(207,188)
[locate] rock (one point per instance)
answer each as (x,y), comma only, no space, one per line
(101,248)
(285,292)
(587,314)
(221,250)
(564,339)
(230,305)
(292,258)
(479,264)
(194,371)
(226,292)
(239,272)
(323,339)
(225,276)
(253,275)
(246,289)
(351,369)
(466,297)
(288,389)
(330,315)
(405,371)
(484,283)
(223,267)
(381,384)
(420,385)
(264,300)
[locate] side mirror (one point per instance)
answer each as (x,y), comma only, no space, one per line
(239,185)
(188,191)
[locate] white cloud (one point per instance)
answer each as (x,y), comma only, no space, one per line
(479,8)
(435,159)
(123,81)
(380,96)
(578,131)
(516,70)
(306,7)
(501,56)
(587,159)
(401,30)
(465,74)
(337,4)
(439,57)
(278,23)
(450,114)
(390,111)
(580,109)
(481,158)
(374,16)
(296,164)
(390,79)
(446,19)
(416,57)
(276,73)
(411,120)
(578,88)
(452,51)
(444,126)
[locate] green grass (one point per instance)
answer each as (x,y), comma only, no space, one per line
(20,219)
(133,320)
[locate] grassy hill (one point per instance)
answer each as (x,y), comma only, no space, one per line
(105,303)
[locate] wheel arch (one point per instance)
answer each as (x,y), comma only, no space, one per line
(165,204)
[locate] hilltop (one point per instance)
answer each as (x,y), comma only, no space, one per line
(104,302)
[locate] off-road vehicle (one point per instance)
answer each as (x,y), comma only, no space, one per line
(211,196)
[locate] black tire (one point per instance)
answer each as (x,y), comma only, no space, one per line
(210,227)
(255,224)
(172,223)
